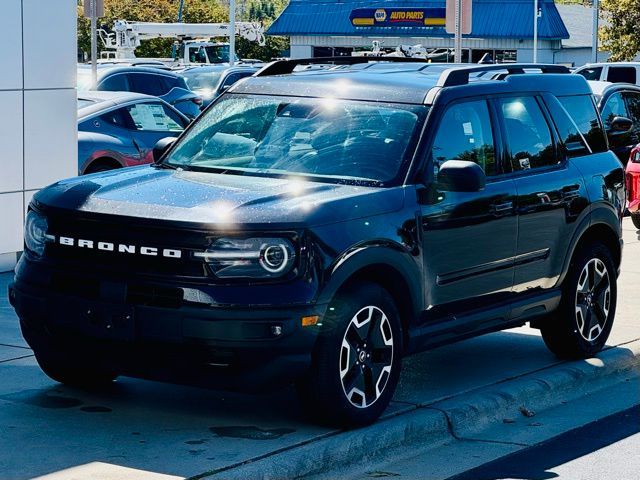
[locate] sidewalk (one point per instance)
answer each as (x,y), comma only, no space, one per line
(184,432)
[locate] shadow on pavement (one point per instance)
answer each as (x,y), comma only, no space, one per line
(538,463)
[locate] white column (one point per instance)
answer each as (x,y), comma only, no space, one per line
(38,125)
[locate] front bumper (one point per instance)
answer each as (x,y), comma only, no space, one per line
(245,348)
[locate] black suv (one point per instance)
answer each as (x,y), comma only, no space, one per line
(316,227)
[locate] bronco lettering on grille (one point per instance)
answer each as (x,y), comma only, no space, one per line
(119,247)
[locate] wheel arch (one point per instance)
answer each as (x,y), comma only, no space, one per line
(600,228)
(395,271)
(109,162)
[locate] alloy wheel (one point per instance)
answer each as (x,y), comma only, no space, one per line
(593,299)
(366,356)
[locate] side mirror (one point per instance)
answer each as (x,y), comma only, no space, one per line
(461,176)
(621,125)
(161,147)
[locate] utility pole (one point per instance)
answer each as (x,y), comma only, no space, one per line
(174,47)
(596,26)
(232,32)
(94,43)
(458,33)
(535,31)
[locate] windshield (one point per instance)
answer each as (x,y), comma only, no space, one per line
(215,53)
(204,83)
(323,138)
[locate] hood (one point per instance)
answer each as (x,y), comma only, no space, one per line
(217,199)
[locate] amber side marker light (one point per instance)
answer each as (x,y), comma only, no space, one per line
(310,321)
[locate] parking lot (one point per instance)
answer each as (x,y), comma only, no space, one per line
(179,431)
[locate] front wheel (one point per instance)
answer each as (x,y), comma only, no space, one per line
(581,325)
(635,218)
(357,359)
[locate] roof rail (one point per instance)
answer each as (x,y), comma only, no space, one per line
(283,67)
(460,75)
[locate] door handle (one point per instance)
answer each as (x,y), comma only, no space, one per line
(569,193)
(501,208)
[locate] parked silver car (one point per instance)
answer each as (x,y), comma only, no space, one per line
(120,129)
(211,81)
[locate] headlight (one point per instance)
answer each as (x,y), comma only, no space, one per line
(35,232)
(250,258)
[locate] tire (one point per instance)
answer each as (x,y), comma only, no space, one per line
(65,363)
(102,166)
(357,359)
(581,325)
(635,218)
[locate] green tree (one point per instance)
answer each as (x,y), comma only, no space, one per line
(195,11)
(621,34)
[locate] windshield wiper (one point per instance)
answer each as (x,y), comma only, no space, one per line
(168,166)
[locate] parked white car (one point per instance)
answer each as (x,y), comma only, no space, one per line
(614,72)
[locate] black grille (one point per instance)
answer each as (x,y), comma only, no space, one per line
(122,233)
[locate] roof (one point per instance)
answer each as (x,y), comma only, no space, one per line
(105,100)
(109,69)
(397,82)
(599,88)
(218,68)
(331,17)
(579,22)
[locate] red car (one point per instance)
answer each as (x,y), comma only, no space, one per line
(633,185)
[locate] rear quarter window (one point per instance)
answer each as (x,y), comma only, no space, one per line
(173,82)
(583,112)
(622,75)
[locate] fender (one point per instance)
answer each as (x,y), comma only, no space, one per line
(602,213)
(384,254)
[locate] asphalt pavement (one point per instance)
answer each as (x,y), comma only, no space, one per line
(141,429)
(606,449)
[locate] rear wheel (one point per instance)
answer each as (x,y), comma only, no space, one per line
(64,362)
(635,218)
(357,359)
(581,325)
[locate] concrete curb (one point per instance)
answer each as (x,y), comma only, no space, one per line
(539,390)
(456,417)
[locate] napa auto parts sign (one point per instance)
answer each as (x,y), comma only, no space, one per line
(398,17)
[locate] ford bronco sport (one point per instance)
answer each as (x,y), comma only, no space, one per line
(317,226)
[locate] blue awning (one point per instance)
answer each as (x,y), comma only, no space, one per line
(491,19)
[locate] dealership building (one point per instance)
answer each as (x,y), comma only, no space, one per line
(502,28)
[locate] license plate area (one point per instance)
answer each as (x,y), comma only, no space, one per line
(110,322)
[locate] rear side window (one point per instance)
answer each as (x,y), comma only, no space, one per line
(152,117)
(528,134)
(591,73)
(615,106)
(148,84)
(633,105)
(465,134)
(114,83)
(170,83)
(584,114)
(572,140)
(621,75)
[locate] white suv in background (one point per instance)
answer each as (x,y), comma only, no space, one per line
(614,72)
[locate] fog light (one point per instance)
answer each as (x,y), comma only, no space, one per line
(310,321)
